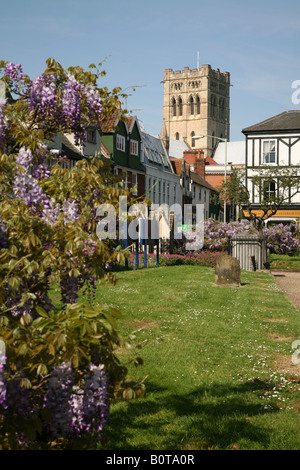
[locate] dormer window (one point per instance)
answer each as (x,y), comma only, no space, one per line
(134,147)
(120,143)
(91,136)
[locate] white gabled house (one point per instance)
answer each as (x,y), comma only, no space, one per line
(274,142)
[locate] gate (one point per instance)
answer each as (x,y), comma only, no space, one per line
(250,249)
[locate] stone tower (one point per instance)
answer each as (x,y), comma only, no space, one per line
(196,102)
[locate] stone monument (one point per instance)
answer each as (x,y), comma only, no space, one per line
(228,272)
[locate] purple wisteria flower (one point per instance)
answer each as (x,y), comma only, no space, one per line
(16,77)
(3,404)
(3,120)
(90,406)
(58,400)
(93,101)
(70,209)
(42,98)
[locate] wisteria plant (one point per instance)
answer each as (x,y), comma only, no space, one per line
(59,371)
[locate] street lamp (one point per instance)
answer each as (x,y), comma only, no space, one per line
(225,172)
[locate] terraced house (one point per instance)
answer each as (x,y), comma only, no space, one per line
(122,141)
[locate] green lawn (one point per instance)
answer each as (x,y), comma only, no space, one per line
(215,362)
(285,262)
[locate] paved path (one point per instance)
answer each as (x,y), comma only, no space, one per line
(289,282)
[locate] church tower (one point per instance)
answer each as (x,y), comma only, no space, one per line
(196,102)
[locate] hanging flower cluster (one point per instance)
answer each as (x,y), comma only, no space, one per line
(74,410)
(3,120)
(282,239)
(53,100)
(90,406)
(3,404)
(216,233)
(42,99)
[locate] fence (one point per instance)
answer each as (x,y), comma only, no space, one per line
(250,249)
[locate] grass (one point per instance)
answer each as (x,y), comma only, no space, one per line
(217,362)
(285,262)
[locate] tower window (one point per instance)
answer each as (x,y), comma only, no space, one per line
(198,105)
(221,109)
(213,106)
(193,140)
(174,106)
(191,105)
(180,107)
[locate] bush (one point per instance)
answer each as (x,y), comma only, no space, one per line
(282,239)
(202,258)
(59,372)
(216,233)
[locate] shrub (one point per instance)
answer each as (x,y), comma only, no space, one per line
(48,219)
(201,258)
(282,239)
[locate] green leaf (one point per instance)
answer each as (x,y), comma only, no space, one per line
(111,320)
(42,312)
(115,312)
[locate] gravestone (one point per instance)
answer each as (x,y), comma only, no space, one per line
(228,272)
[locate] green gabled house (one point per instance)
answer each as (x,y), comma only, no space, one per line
(123,141)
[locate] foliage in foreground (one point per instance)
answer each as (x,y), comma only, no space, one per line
(58,370)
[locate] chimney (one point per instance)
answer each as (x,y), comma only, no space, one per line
(196,158)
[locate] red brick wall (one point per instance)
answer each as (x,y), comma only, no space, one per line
(196,158)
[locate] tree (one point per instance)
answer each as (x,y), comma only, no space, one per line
(236,192)
(48,217)
(272,186)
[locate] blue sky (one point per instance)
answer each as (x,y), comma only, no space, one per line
(258,42)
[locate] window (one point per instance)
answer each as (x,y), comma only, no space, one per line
(269,152)
(91,136)
(213,106)
(134,184)
(204,196)
(198,106)
(221,109)
(177,136)
(158,157)
(174,106)
(164,159)
(199,194)
(180,107)
(120,143)
(191,105)
(134,147)
(149,187)
(193,140)
(154,157)
(269,190)
(148,154)
(154,190)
